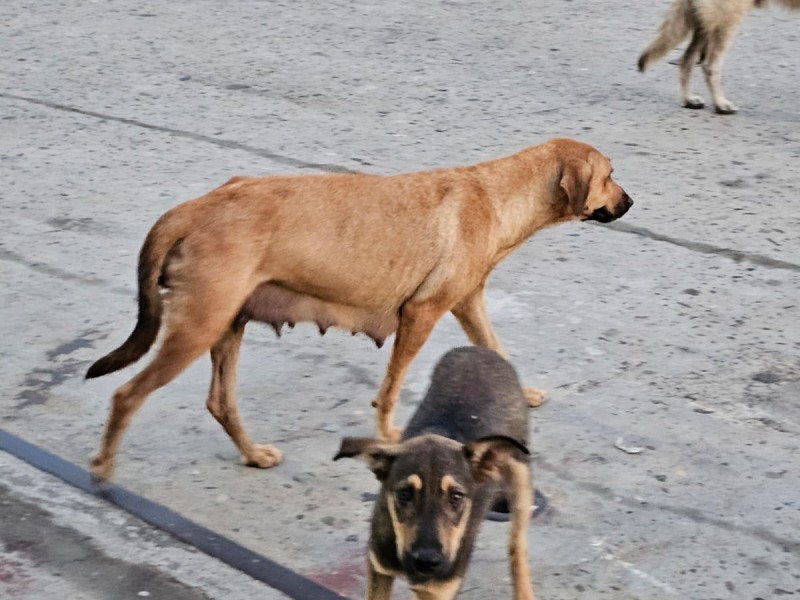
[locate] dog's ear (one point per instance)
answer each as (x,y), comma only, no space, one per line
(488,454)
(377,454)
(575,177)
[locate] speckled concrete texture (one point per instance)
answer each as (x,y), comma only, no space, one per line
(675,329)
(57,542)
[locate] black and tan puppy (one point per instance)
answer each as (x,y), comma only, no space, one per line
(465,444)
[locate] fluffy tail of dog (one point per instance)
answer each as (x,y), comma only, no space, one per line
(676,26)
(156,247)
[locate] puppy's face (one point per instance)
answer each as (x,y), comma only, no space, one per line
(428,495)
(589,192)
(428,483)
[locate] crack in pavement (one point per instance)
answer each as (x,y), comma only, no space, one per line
(230,144)
(699,247)
(705,248)
(11,256)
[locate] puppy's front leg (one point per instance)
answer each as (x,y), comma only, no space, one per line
(444,590)
(473,317)
(416,323)
(519,491)
(379,586)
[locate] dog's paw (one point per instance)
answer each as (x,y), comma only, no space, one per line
(101,469)
(725,107)
(534,396)
(693,102)
(263,456)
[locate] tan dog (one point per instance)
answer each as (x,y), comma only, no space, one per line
(361,252)
(713,25)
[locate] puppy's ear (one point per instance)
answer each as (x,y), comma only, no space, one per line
(488,454)
(575,177)
(377,454)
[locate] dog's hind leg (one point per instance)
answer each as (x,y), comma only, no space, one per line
(192,328)
(718,43)
(221,401)
(520,493)
(690,57)
(473,317)
(417,320)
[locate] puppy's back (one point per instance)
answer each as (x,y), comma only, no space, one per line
(474,393)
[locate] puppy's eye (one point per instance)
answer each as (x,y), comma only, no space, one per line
(404,495)
(456,499)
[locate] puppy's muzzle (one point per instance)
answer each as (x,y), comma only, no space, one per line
(426,561)
(604,215)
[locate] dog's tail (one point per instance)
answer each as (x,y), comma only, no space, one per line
(152,257)
(677,25)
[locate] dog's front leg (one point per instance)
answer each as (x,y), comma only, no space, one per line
(379,586)
(473,317)
(416,323)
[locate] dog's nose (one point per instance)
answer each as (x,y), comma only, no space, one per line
(426,560)
(627,200)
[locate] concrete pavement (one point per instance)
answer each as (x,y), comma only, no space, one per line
(675,330)
(58,542)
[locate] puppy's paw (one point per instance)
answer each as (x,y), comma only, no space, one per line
(725,107)
(694,102)
(263,456)
(534,396)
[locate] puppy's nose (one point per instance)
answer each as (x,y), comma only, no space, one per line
(426,560)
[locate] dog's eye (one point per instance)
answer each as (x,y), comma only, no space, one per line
(456,499)
(404,495)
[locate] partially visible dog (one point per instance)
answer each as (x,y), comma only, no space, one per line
(713,25)
(465,443)
(365,253)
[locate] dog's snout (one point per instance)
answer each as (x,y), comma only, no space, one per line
(426,560)
(627,201)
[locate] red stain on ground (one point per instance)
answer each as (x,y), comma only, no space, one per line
(346,578)
(13,578)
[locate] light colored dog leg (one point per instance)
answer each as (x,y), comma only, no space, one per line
(718,43)
(520,494)
(473,317)
(222,400)
(688,60)
(416,323)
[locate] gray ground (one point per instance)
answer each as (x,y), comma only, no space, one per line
(675,330)
(60,543)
